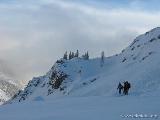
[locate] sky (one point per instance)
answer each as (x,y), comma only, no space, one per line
(35,33)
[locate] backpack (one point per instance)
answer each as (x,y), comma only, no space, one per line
(129,85)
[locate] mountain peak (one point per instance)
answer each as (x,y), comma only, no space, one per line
(152,34)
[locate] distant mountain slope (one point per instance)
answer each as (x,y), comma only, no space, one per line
(138,63)
(8,85)
(8,88)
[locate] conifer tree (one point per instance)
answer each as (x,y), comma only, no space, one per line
(70,55)
(77,54)
(87,56)
(65,56)
(102,58)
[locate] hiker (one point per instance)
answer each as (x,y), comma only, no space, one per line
(127,86)
(120,87)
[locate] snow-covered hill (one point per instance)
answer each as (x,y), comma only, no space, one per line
(138,64)
(87,89)
(8,85)
(8,88)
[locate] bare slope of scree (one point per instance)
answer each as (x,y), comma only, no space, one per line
(138,63)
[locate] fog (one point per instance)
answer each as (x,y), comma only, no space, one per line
(34,34)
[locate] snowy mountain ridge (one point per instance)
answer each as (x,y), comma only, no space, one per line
(138,63)
(8,85)
(8,88)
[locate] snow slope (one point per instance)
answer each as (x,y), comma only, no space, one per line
(84,108)
(3,97)
(8,88)
(86,89)
(138,63)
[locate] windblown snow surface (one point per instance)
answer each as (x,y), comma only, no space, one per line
(90,89)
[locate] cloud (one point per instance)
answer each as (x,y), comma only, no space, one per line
(34,34)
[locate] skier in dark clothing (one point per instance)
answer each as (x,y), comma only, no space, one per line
(120,87)
(127,86)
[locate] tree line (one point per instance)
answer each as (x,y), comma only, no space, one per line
(85,56)
(72,55)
